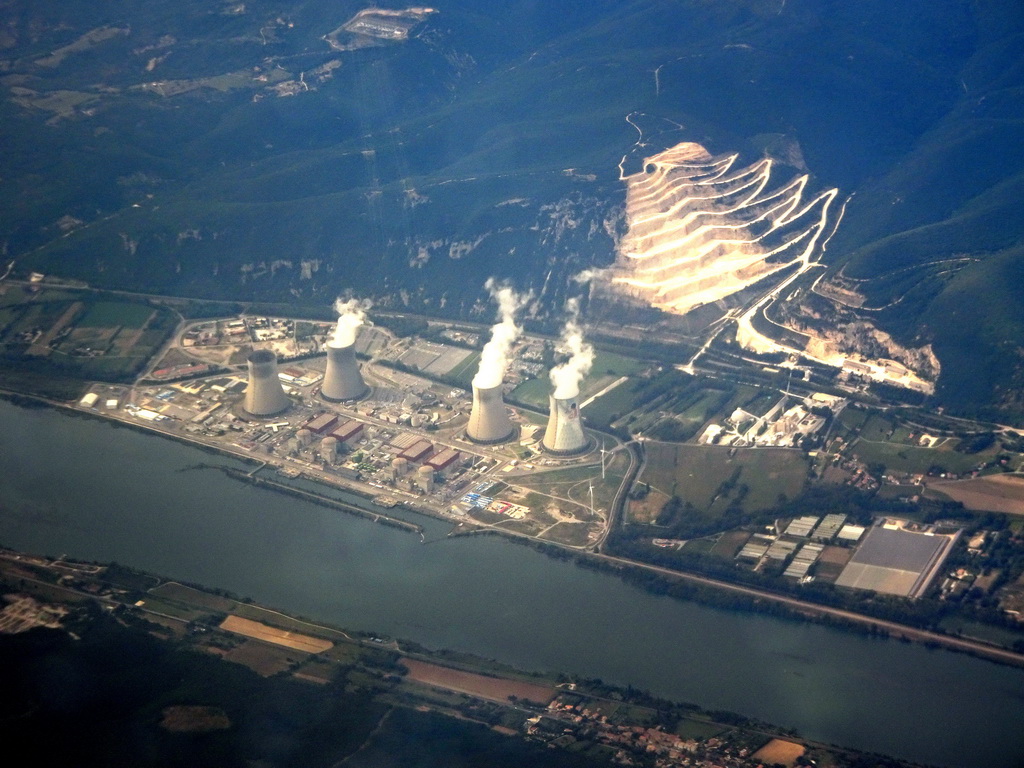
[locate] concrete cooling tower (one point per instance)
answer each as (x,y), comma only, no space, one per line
(488,421)
(264,396)
(564,435)
(342,380)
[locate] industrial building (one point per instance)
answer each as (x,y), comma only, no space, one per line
(896,559)
(329,449)
(348,432)
(322,422)
(343,381)
(418,452)
(489,423)
(264,396)
(564,435)
(425,479)
(444,462)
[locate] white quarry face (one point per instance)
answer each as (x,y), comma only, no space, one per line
(700,230)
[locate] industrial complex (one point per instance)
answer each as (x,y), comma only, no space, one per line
(353,405)
(312,401)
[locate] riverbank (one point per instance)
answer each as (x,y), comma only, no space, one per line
(706,590)
(465,689)
(76,486)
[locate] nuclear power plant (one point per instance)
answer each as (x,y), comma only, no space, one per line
(489,423)
(343,381)
(564,434)
(264,396)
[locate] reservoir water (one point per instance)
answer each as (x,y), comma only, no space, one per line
(91,490)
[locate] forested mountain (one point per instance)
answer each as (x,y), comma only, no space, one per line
(260,150)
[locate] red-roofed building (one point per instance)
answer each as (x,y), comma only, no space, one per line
(348,432)
(418,452)
(445,461)
(322,423)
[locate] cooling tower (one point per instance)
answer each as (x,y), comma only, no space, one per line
(488,421)
(564,435)
(264,395)
(342,380)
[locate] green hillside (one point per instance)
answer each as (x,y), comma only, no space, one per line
(227,151)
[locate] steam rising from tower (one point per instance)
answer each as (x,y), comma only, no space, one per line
(567,376)
(564,434)
(343,380)
(489,421)
(264,396)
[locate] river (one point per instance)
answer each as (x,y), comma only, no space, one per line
(95,491)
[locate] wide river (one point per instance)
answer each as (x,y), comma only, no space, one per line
(91,490)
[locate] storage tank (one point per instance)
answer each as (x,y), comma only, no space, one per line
(564,434)
(264,396)
(488,420)
(343,381)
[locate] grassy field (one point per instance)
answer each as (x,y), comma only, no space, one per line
(607,367)
(52,335)
(533,392)
(612,405)
(573,483)
(692,728)
(107,314)
(696,474)
(915,459)
(612,364)
(466,370)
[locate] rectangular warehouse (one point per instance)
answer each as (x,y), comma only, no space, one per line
(896,561)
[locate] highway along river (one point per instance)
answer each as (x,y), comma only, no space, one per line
(85,488)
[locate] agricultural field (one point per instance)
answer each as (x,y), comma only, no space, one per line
(465,370)
(59,333)
(713,477)
(612,405)
(882,440)
(918,460)
(994,493)
(494,688)
(112,314)
(608,367)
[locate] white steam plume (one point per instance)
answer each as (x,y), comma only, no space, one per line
(351,315)
(494,357)
(567,376)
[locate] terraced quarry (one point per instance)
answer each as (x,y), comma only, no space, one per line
(701,230)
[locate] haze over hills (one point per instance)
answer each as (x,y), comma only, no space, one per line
(230,150)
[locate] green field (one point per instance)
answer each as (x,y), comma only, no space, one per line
(612,405)
(612,364)
(466,370)
(691,728)
(107,314)
(696,474)
(914,459)
(572,483)
(533,392)
(68,335)
(607,367)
